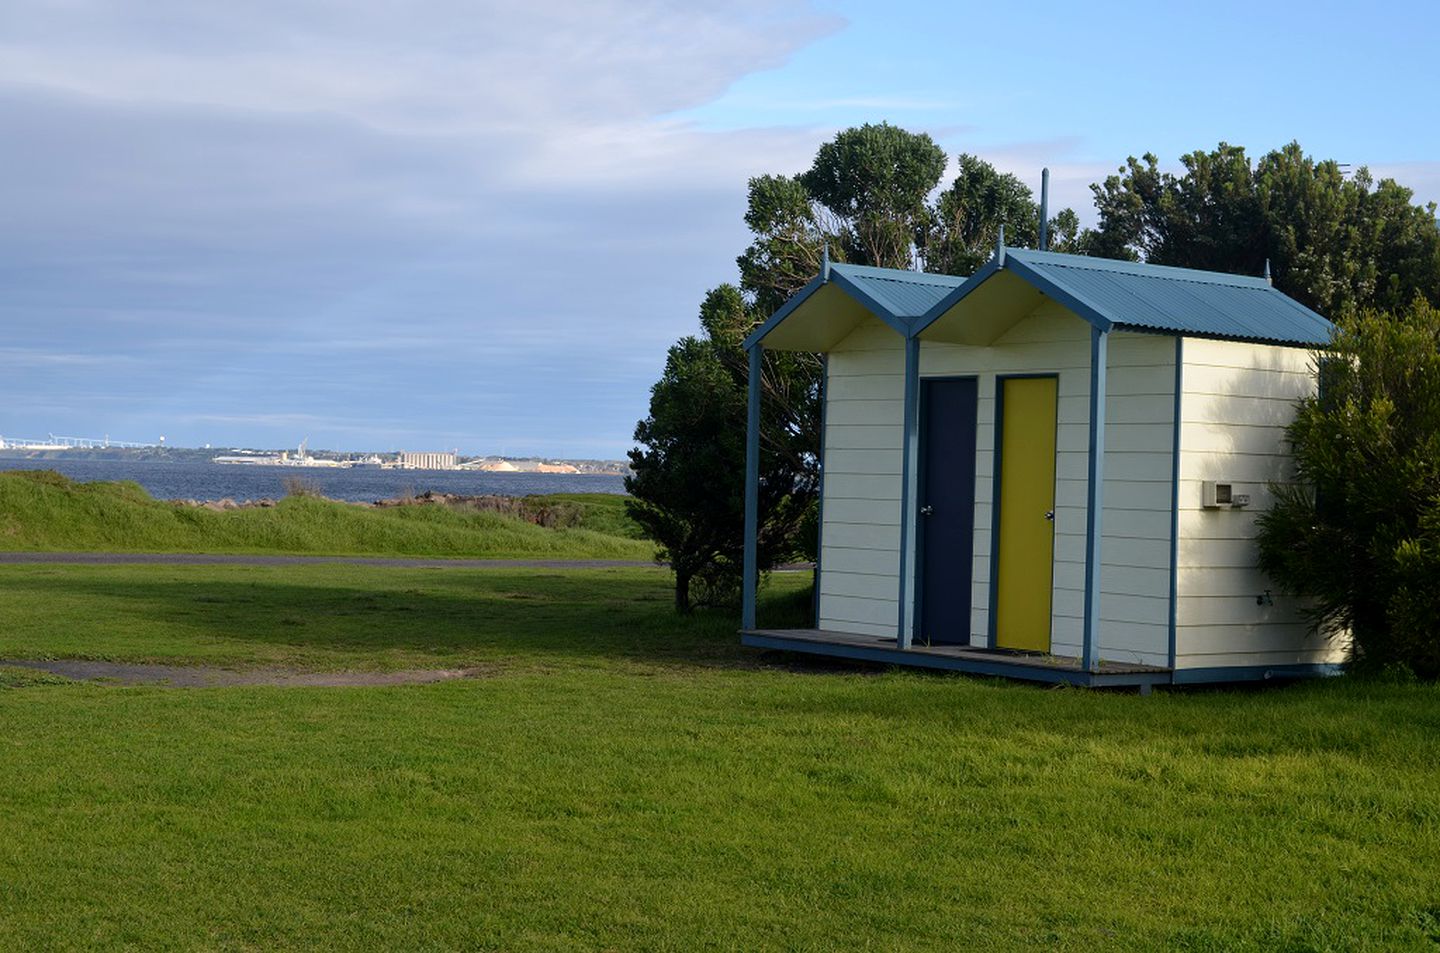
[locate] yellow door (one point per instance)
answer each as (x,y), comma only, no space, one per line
(1027,514)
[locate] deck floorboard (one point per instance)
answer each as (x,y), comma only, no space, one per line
(1030,667)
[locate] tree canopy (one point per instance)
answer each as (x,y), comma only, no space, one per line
(964,223)
(868,197)
(1336,242)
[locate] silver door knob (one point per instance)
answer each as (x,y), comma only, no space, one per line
(1050,515)
(926,510)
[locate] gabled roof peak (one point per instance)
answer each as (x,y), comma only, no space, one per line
(1160,299)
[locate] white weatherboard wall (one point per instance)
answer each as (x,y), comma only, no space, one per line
(860,539)
(859,585)
(1135,541)
(1236,402)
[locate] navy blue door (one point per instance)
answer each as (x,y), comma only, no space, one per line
(946,535)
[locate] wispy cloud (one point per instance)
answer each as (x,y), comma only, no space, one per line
(434,211)
(32,357)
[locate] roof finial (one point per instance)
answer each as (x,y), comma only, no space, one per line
(1000,247)
(825,263)
(1044,209)
(1268,279)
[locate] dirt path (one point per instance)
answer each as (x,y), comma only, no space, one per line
(210,676)
(213,559)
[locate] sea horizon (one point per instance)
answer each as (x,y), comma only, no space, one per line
(206,481)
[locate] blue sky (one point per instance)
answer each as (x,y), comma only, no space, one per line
(434,223)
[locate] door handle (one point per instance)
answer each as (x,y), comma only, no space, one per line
(927,510)
(1050,515)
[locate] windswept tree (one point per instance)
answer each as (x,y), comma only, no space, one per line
(866,196)
(875,182)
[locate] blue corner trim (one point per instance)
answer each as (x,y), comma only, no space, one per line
(1175,500)
(1094,498)
(752,488)
(1255,673)
(909,469)
(820,491)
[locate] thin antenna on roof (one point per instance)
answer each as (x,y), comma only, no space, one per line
(1044,209)
(825,263)
(1000,247)
(1268,279)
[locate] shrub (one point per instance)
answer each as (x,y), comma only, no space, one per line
(302,487)
(1359,533)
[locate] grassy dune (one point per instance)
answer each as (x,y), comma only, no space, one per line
(44,511)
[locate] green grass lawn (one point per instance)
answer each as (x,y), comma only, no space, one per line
(43,511)
(627,780)
(363,617)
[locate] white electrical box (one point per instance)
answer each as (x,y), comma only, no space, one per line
(1222,496)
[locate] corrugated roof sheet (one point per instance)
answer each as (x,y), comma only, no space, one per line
(906,295)
(1177,300)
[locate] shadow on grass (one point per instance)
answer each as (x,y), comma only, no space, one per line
(340,614)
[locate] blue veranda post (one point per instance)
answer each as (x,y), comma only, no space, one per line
(1094,499)
(752,487)
(909,474)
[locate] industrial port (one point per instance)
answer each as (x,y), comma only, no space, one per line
(60,447)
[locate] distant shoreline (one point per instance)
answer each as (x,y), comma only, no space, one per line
(202,480)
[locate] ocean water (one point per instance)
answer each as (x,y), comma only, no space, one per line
(216,481)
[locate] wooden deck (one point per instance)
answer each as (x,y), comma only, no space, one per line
(958,658)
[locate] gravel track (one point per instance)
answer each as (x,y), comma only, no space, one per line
(211,676)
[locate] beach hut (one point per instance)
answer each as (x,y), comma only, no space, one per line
(1049,470)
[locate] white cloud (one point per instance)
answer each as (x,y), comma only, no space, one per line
(419,65)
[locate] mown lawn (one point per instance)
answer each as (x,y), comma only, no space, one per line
(364,617)
(626,780)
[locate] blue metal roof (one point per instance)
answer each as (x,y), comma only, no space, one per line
(905,295)
(899,298)
(1157,298)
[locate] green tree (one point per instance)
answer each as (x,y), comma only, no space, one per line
(790,237)
(864,196)
(875,181)
(1359,531)
(965,221)
(687,489)
(681,490)
(1336,242)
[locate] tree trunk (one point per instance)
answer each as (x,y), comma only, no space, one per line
(682,592)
